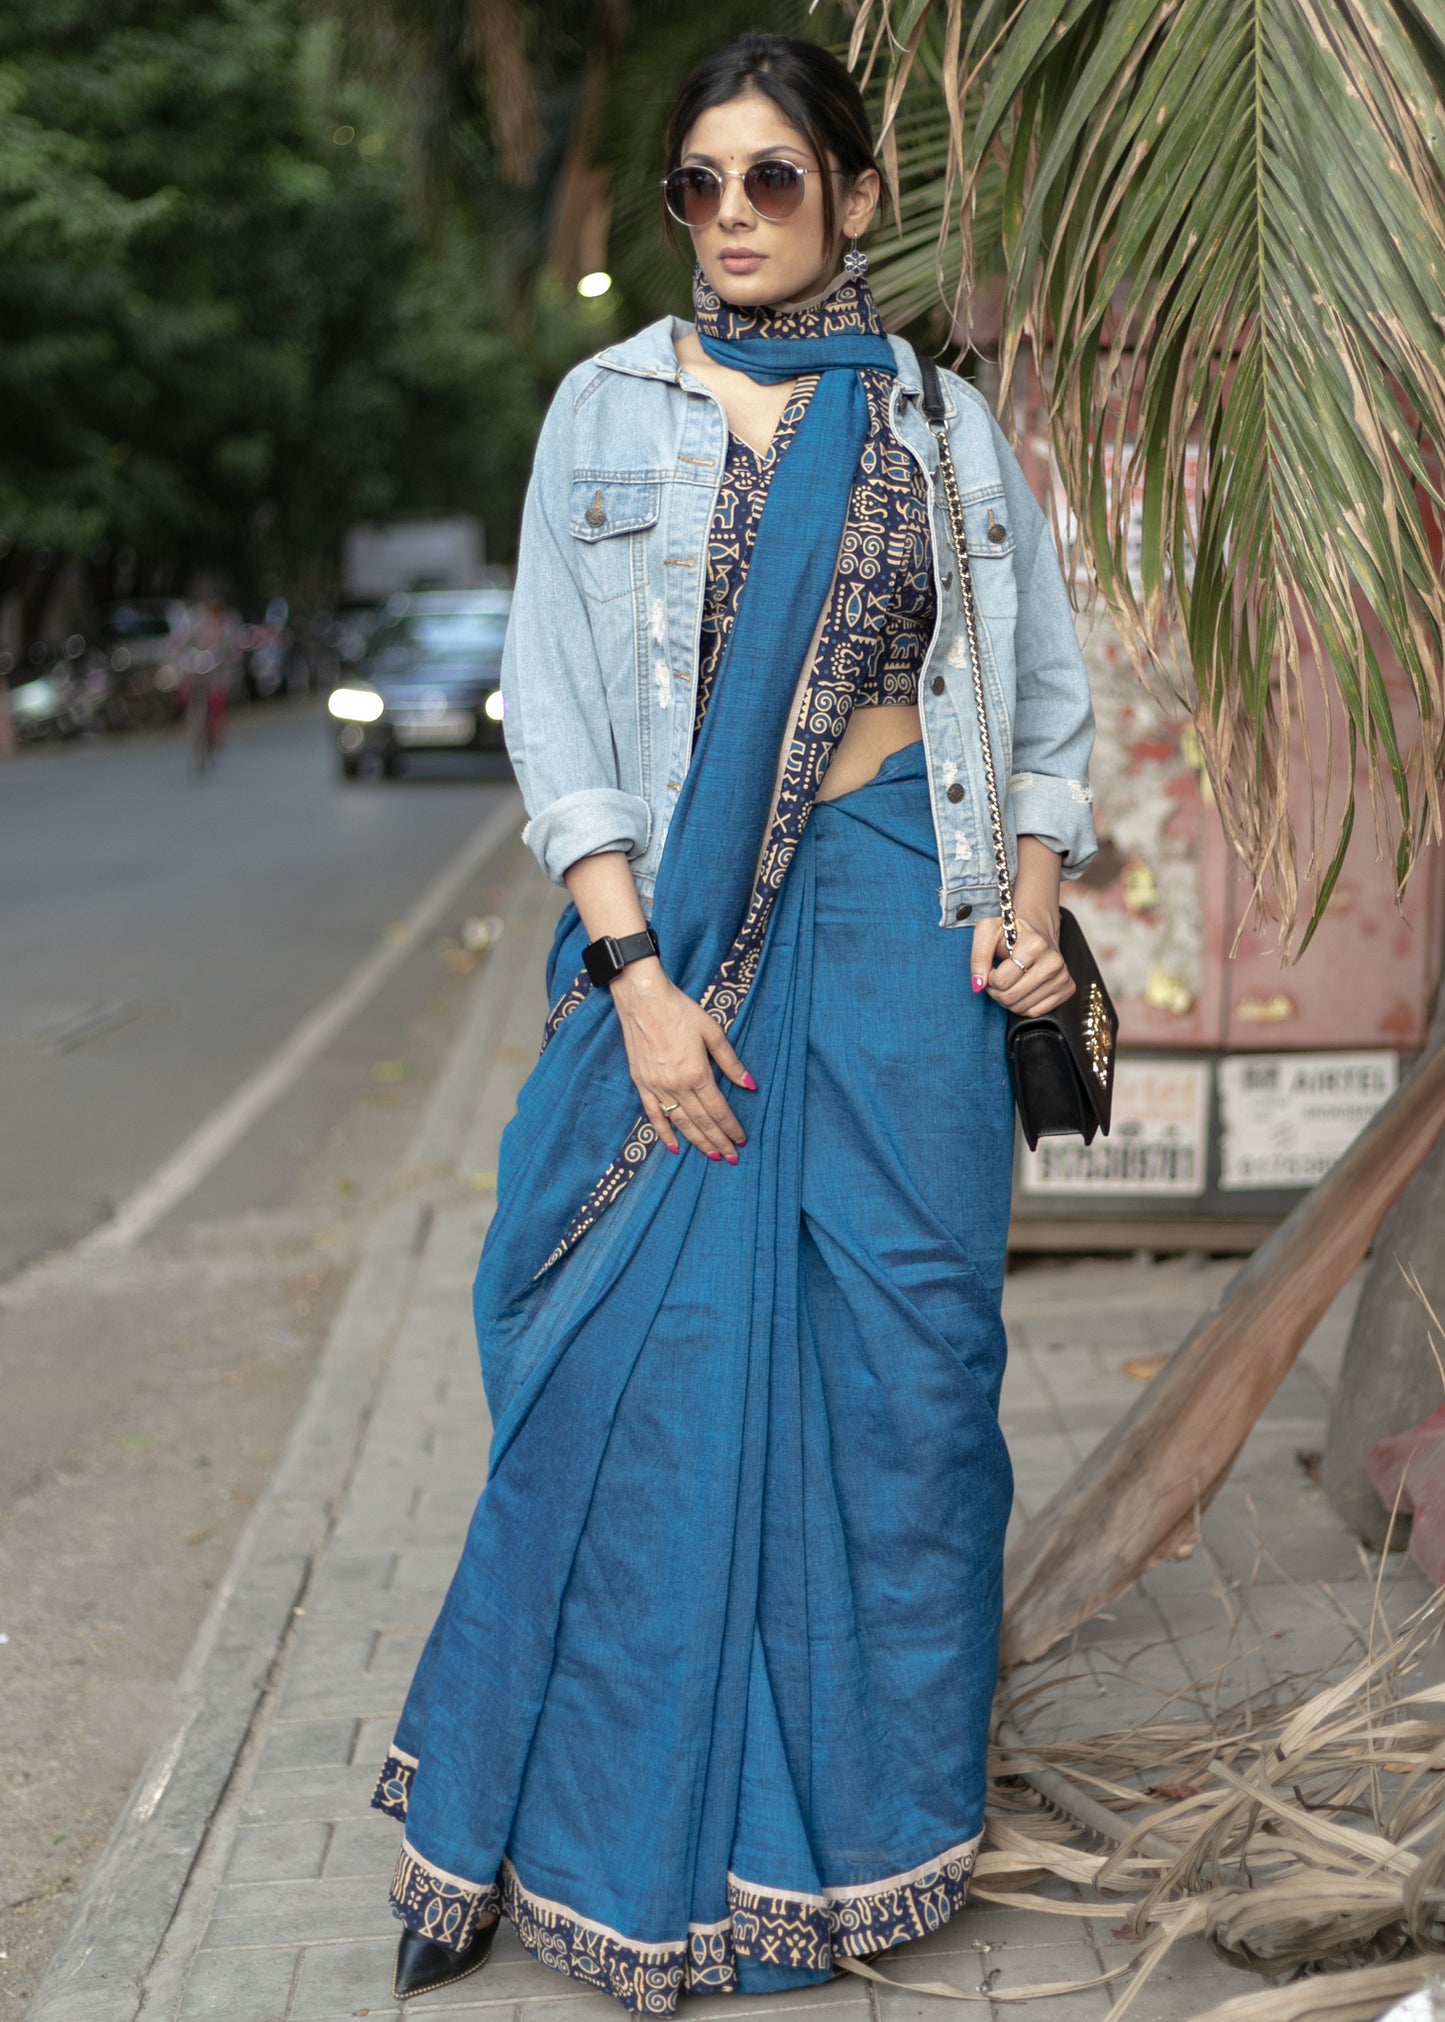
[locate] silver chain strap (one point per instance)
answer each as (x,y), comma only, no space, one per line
(954,502)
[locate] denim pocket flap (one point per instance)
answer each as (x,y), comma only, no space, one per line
(602,506)
(986,521)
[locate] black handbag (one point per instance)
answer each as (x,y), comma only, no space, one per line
(1062,1064)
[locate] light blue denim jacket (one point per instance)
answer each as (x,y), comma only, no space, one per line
(599,672)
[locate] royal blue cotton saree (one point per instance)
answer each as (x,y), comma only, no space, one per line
(707,1702)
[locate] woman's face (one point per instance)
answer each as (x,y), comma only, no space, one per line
(747,259)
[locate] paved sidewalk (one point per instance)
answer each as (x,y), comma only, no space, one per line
(282,1916)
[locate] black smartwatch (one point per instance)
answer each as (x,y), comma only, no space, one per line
(606,959)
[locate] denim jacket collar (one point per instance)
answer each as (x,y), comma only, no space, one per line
(652,354)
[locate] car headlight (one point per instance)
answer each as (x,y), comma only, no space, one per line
(36,698)
(492,707)
(355,705)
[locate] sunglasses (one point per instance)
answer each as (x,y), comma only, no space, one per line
(775,190)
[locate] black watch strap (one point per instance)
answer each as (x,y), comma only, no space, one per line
(606,959)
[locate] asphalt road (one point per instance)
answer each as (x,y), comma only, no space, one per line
(161,942)
(160,936)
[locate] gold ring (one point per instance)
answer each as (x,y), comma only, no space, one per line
(668,1107)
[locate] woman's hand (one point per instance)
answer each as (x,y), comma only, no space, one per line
(672,1048)
(1037,981)
(1033,978)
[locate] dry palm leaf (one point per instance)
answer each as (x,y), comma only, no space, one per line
(1223,229)
(1299,1838)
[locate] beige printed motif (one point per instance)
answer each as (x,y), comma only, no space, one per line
(773,1927)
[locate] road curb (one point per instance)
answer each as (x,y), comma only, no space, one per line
(101,1969)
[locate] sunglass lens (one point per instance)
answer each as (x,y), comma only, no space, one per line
(774,188)
(693,195)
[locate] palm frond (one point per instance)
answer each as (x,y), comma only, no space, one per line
(1224,236)
(1299,1827)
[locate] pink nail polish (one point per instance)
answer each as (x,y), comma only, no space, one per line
(674,1147)
(732,1158)
(716,1156)
(977,985)
(748,1082)
(741,1142)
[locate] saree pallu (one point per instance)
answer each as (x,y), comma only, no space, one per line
(708,1700)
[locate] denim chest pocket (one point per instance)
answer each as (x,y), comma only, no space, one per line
(609,517)
(991,554)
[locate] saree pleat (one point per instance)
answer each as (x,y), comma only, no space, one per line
(708,1703)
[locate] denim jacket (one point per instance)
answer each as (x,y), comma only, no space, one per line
(599,671)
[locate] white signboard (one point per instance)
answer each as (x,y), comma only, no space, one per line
(1286,1117)
(1157,1141)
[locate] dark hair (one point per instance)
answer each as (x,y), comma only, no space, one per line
(807,84)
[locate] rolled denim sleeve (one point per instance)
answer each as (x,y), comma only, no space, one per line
(1053,727)
(555,718)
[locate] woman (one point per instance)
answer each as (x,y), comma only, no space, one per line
(707,1703)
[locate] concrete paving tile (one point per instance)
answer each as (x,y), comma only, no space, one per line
(295,1852)
(325,1649)
(582,2006)
(416,1534)
(363,1846)
(427,1570)
(1249,1537)
(1132,1618)
(1042,1965)
(279,1795)
(1196,1571)
(357,1693)
(1401,1586)
(308,1744)
(395,1655)
(240,1986)
(1042,1466)
(446,1505)
(388,1610)
(829,2001)
(362,1569)
(1031,1421)
(340,1978)
(373,1739)
(297,1913)
(992,1927)
(1187,1983)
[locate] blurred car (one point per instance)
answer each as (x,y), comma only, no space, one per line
(351,626)
(140,640)
(430,680)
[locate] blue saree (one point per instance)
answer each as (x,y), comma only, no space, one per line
(707,1702)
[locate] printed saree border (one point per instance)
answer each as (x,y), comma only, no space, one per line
(774,1927)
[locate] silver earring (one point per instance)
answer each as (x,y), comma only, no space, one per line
(854,262)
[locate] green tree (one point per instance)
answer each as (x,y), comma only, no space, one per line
(541,121)
(228,334)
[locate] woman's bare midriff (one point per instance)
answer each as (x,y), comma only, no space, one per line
(874,731)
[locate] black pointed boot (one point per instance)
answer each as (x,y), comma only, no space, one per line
(422,1965)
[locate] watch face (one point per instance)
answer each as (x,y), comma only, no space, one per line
(602,960)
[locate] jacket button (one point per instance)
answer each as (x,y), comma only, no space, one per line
(948,581)
(963,912)
(955,792)
(595,514)
(938,684)
(997,532)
